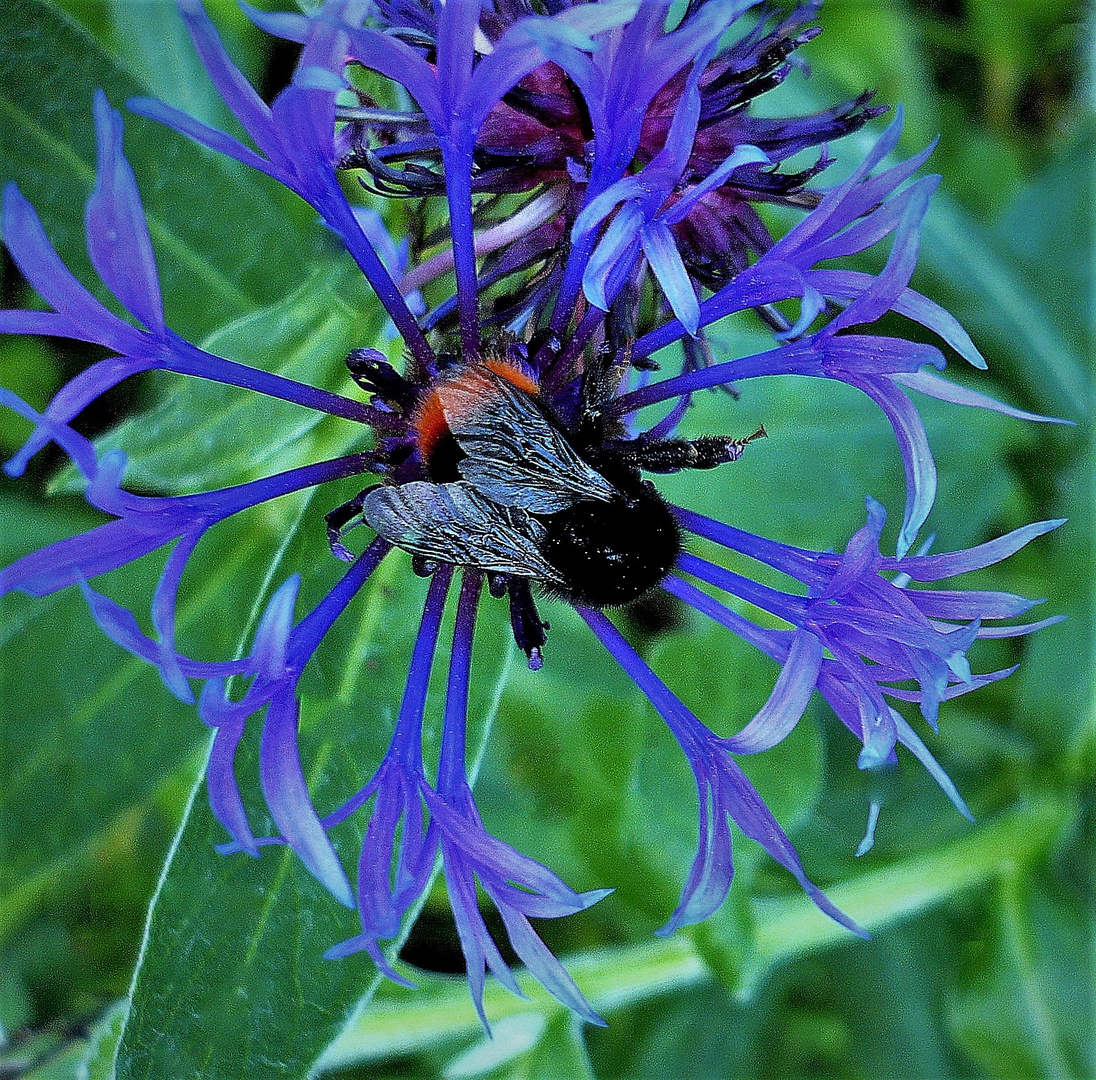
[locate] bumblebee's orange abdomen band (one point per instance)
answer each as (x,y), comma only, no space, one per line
(513,375)
(463,395)
(430,424)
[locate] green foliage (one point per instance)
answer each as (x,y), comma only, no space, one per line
(49,69)
(978,965)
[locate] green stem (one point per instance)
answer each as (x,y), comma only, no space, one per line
(403,1022)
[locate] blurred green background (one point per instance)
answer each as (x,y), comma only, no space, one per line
(982,959)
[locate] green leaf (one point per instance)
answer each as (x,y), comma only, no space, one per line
(103,1043)
(561,1051)
(1039,229)
(30,369)
(236,945)
(51,1055)
(64,1065)
(402,1021)
(563,759)
(154,45)
(828,446)
(696,1032)
(1054,694)
(1024,1005)
(873,46)
(997,301)
(876,1011)
(263,239)
(526,1047)
(63,722)
(15,1005)
(1019,287)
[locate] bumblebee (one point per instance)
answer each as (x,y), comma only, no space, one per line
(510,490)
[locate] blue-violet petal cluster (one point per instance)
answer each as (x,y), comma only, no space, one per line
(601,185)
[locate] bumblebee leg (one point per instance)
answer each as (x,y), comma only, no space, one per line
(421,566)
(372,372)
(530,631)
(673,455)
(341,520)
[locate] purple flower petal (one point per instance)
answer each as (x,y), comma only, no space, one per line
(225,799)
(522,48)
(269,653)
(669,269)
(862,355)
(399,62)
(50,430)
(466,832)
(457,24)
(792,609)
(309,632)
(775,720)
(598,209)
(163,616)
(720,780)
(868,842)
(204,135)
(861,554)
(972,604)
(286,793)
(953,563)
(855,197)
(480,951)
(848,284)
(712,870)
(917,462)
(743,155)
(754,818)
(925,382)
(883,294)
(288,25)
(909,738)
(613,257)
(544,967)
(71,400)
(773,643)
(1017,631)
(120,625)
(237,92)
(451,761)
(118,240)
(367,943)
(43,324)
(41,265)
(76,558)
(901,215)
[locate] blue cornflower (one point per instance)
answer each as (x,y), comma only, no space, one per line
(511,436)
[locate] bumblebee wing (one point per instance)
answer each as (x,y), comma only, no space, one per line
(516,457)
(454,523)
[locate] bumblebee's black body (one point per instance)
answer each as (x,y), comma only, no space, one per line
(612,553)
